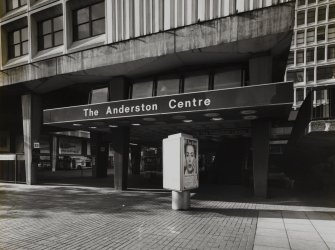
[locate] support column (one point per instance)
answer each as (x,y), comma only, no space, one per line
(119,90)
(100,150)
(260,150)
(54,153)
(32,119)
(136,159)
(120,145)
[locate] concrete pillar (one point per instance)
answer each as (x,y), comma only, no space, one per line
(100,150)
(260,149)
(260,69)
(32,120)
(54,153)
(119,138)
(180,200)
(136,159)
(120,145)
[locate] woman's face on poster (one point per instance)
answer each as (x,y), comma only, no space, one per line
(190,157)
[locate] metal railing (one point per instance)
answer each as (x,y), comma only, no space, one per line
(12,168)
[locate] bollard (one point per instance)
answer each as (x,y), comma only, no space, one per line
(180,200)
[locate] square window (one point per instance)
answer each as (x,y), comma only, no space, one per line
(46,27)
(17,43)
(311,16)
(300,57)
(98,11)
(300,37)
(58,38)
(58,23)
(47,41)
(321,14)
(168,86)
(310,36)
(310,55)
(290,60)
(321,34)
(331,13)
(24,48)
(310,75)
(17,36)
(331,32)
(17,50)
(142,89)
(50,33)
(83,31)
(320,53)
(228,79)
(89,21)
(301,18)
(98,27)
(83,15)
(311,1)
(300,95)
(301,2)
(196,83)
(331,52)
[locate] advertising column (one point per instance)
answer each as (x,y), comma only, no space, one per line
(180,168)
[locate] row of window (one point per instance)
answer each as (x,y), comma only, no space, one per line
(87,22)
(306,56)
(314,35)
(192,83)
(169,86)
(322,73)
(314,15)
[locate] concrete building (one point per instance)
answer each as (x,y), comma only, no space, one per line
(91,80)
(311,60)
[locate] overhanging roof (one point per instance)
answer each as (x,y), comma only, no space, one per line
(270,101)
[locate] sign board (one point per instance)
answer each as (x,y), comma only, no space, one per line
(69,146)
(180,162)
(252,96)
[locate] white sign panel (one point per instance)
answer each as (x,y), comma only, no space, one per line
(180,162)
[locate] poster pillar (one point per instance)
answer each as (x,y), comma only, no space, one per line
(180,168)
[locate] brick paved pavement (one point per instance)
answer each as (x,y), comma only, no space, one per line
(74,217)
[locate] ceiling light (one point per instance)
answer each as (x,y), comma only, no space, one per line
(250,117)
(187,121)
(77,124)
(136,124)
(248,112)
(149,119)
(92,127)
(211,114)
(179,117)
(133,144)
(113,126)
(217,119)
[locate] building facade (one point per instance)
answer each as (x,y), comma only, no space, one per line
(94,79)
(312,53)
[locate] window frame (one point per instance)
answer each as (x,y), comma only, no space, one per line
(90,21)
(19,5)
(10,46)
(40,34)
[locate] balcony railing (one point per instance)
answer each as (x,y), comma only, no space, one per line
(323,102)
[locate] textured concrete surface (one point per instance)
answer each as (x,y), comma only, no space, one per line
(77,217)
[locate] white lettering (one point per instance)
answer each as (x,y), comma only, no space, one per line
(172,104)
